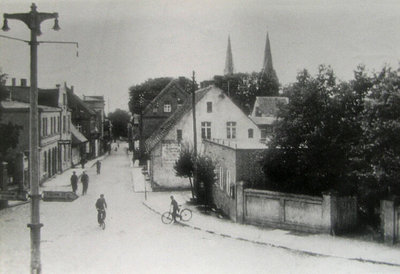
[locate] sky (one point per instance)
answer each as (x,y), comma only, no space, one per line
(125,42)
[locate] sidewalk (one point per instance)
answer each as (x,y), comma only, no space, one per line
(310,244)
(61,182)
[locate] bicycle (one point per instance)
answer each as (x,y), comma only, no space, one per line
(101,216)
(184,215)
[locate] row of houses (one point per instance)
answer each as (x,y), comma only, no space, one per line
(71,129)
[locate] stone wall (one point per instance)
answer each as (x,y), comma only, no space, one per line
(327,214)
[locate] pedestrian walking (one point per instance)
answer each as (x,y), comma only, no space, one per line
(74,182)
(85,182)
(98,166)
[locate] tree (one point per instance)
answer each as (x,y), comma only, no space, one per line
(315,147)
(184,165)
(243,88)
(119,119)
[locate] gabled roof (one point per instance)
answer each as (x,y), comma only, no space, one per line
(171,84)
(73,100)
(268,105)
(163,130)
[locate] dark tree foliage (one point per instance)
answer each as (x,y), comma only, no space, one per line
(119,119)
(205,175)
(314,147)
(141,95)
(184,165)
(243,88)
(205,179)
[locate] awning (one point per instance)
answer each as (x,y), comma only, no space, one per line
(77,137)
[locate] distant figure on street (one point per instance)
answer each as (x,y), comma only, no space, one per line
(83,162)
(101,206)
(98,166)
(85,182)
(175,208)
(74,182)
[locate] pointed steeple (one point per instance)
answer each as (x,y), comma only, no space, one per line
(229,59)
(268,68)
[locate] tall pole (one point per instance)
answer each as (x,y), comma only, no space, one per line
(194,132)
(33,20)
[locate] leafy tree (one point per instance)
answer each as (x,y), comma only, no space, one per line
(119,119)
(205,175)
(243,88)
(314,147)
(184,165)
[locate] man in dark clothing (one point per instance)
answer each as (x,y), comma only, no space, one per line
(85,182)
(74,182)
(175,208)
(98,166)
(101,206)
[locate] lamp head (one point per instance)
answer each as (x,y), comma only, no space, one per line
(56,27)
(5,25)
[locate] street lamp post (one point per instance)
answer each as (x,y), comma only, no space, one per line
(33,19)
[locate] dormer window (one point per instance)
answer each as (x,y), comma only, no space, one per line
(209,107)
(167,107)
(155,108)
(179,102)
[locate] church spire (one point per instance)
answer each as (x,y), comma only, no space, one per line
(229,59)
(267,66)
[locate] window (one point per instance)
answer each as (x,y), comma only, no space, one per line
(155,108)
(179,102)
(209,107)
(231,130)
(64,124)
(46,129)
(179,135)
(43,124)
(45,161)
(250,133)
(58,124)
(206,130)
(69,124)
(221,177)
(64,99)
(167,107)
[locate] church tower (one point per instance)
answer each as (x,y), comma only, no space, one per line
(229,59)
(268,69)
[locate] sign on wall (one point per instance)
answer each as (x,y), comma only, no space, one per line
(170,152)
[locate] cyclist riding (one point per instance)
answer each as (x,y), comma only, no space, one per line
(101,206)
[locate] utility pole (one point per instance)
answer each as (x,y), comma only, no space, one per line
(194,131)
(33,19)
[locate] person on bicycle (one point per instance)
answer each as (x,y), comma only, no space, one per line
(101,206)
(175,208)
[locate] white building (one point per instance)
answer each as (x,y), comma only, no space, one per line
(217,117)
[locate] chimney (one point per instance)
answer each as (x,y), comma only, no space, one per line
(72,89)
(23,82)
(13,82)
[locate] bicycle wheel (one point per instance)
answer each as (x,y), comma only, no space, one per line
(186,214)
(166,218)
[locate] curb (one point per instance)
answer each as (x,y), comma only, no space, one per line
(298,251)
